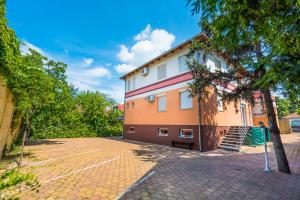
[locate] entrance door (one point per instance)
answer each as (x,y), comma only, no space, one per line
(243,114)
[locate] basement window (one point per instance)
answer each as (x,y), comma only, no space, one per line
(186,133)
(163,132)
(130,130)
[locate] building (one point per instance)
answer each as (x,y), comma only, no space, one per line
(259,111)
(294,122)
(159,108)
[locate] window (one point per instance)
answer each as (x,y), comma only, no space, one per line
(198,58)
(127,105)
(133,83)
(186,100)
(161,103)
(163,132)
(132,104)
(128,85)
(186,133)
(217,64)
(182,64)
(130,130)
(220,103)
(162,71)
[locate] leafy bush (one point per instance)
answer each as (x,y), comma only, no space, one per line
(12,178)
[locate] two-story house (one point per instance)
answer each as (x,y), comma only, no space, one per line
(159,109)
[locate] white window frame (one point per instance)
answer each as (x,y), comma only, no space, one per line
(158,72)
(128,85)
(220,103)
(179,64)
(180,101)
(133,83)
(158,107)
(181,135)
(163,134)
(129,131)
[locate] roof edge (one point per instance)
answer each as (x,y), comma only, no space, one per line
(165,53)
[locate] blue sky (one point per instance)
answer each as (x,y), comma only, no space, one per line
(100,40)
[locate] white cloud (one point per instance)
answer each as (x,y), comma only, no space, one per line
(27,45)
(116,92)
(149,44)
(85,74)
(124,55)
(96,72)
(88,61)
(87,79)
(124,68)
(144,35)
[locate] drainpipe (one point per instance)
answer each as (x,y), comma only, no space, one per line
(124,106)
(199,122)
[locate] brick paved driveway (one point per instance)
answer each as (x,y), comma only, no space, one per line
(97,168)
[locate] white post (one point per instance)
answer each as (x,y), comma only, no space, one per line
(267,166)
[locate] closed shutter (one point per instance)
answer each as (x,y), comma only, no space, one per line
(162,104)
(186,100)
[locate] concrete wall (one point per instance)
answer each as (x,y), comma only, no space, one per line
(6,115)
(284,126)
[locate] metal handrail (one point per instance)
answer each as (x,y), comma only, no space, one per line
(243,130)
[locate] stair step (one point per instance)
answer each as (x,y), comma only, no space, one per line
(229,148)
(237,134)
(232,136)
(231,141)
(231,145)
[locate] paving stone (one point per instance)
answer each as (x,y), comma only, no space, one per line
(99,168)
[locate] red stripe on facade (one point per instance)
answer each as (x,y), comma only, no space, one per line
(170,81)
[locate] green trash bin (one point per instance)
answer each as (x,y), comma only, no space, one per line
(268,135)
(255,137)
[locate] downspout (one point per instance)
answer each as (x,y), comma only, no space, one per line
(124,106)
(199,123)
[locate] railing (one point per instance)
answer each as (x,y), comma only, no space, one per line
(243,130)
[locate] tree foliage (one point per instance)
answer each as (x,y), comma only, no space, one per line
(285,106)
(262,36)
(99,113)
(47,104)
(260,41)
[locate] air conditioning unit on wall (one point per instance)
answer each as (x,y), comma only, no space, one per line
(150,98)
(145,71)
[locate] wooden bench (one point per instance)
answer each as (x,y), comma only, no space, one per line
(182,144)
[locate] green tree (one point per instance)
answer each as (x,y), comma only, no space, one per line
(98,113)
(260,39)
(286,106)
(48,105)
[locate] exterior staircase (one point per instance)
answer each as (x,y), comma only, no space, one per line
(234,139)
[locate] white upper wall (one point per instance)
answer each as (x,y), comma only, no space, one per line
(172,67)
